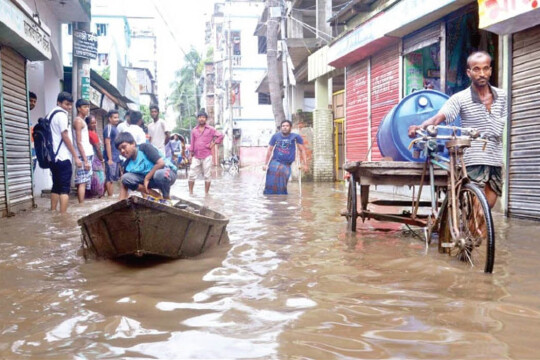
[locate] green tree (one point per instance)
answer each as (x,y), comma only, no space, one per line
(186,93)
(145,111)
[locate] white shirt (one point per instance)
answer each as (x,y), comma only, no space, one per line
(122,127)
(138,134)
(157,130)
(59,124)
(87,147)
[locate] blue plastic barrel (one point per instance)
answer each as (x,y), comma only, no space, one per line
(414,109)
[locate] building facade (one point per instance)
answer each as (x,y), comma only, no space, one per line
(239,62)
(393,48)
(30,60)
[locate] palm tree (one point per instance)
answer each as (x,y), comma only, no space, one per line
(185,96)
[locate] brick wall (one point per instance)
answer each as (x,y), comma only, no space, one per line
(323,154)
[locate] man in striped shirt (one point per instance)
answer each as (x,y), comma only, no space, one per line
(483,107)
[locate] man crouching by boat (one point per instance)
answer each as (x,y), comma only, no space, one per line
(282,149)
(145,168)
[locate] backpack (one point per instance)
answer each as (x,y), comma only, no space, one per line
(43,143)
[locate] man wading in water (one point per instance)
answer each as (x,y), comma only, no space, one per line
(282,149)
(483,107)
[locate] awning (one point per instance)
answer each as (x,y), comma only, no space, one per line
(99,88)
(388,27)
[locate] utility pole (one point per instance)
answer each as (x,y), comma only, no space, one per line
(228,127)
(80,70)
(284,56)
(272,26)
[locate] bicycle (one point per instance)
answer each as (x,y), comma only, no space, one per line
(231,165)
(463,221)
(457,210)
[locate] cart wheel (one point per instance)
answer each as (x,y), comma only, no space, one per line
(474,243)
(352,210)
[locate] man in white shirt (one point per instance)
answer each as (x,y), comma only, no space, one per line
(121,127)
(157,130)
(134,128)
(65,151)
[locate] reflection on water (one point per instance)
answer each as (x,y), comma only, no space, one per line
(291,284)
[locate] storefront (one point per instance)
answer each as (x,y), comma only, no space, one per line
(519,23)
(21,39)
(409,46)
(435,57)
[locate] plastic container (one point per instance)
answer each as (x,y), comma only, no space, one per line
(392,135)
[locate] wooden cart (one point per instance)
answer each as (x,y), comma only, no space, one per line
(397,173)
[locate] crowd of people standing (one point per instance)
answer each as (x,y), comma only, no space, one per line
(97,166)
(144,161)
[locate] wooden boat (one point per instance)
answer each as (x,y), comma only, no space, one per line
(137,226)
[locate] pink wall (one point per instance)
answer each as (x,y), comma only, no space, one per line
(252,155)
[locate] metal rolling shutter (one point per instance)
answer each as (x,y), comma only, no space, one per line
(384,91)
(422,38)
(523,170)
(16,136)
(356,104)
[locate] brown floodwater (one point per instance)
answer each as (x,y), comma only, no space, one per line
(292,284)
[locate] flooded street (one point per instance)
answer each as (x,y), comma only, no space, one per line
(291,284)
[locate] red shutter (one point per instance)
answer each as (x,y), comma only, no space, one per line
(357,112)
(384,90)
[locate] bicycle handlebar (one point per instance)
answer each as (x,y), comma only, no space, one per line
(432,132)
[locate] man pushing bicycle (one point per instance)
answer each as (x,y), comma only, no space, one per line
(483,107)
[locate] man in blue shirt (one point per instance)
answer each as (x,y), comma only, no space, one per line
(111,154)
(145,168)
(282,148)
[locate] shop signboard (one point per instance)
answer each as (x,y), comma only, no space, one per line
(84,45)
(508,16)
(84,74)
(95,97)
(19,30)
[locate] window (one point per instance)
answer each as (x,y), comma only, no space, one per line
(262,44)
(101,29)
(103,59)
(236,44)
(264,99)
(422,69)
(70,29)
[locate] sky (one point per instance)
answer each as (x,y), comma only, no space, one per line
(180,24)
(183,26)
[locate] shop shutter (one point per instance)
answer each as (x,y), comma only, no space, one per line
(384,91)
(16,137)
(356,105)
(422,38)
(524,142)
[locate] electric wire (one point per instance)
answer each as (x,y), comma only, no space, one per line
(313,29)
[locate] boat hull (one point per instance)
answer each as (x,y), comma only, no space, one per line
(136,226)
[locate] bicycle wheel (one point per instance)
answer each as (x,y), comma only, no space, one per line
(475,241)
(233,170)
(352,210)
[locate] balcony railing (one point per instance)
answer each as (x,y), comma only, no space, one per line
(237,60)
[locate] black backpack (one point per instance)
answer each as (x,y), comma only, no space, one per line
(43,143)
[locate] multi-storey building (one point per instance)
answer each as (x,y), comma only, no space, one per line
(309,100)
(238,65)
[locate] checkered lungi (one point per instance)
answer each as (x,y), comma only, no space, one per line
(83,176)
